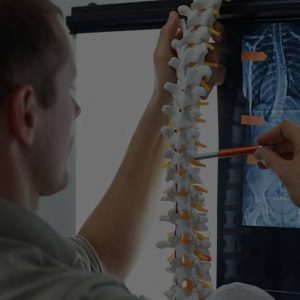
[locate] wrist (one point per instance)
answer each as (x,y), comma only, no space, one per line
(154,109)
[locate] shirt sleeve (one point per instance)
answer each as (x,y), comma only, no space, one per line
(87,254)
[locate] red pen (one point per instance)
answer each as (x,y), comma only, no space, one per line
(232,152)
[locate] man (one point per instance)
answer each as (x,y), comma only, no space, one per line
(37,114)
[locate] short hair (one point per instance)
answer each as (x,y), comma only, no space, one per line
(32,51)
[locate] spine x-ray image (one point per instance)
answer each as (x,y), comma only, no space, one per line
(272,91)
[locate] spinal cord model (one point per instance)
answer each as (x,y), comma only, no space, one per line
(190,260)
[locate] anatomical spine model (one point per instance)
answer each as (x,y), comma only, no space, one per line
(191,259)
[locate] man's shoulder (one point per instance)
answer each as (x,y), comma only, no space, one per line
(29,273)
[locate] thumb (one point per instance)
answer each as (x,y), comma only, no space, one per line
(170,28)
(173,18)
(271,160)
(163,49)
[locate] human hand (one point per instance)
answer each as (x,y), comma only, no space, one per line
(164,52)
(284,159)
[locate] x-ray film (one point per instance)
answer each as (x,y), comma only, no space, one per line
(271,88)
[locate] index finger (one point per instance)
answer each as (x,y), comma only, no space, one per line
(286,130)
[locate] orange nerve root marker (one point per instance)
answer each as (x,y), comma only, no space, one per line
(253,56)
(232,152)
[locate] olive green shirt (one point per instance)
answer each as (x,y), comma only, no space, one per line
(37,263)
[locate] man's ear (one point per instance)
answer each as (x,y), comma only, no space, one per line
(22,113)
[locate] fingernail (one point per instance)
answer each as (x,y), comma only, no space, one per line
(171,16)
(258,154)
(262,164)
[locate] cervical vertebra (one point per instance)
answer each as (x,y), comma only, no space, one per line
(191,259)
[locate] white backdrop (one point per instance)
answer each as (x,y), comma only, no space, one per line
(115,82)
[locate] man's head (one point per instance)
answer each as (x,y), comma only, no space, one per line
(37,111)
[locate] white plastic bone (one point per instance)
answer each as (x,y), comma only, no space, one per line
(194,54)
(206,4)
(197,18)
(195,36)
